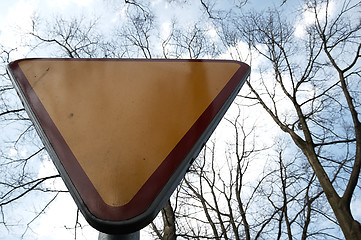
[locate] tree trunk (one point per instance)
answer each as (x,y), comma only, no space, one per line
(340,206)
(169,222)
(350,227)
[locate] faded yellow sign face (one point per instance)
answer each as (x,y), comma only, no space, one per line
(122,120)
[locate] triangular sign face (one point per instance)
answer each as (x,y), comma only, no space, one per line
(122,133)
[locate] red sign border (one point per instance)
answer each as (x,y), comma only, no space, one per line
(95,210)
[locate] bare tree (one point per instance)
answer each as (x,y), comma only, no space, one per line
(22,151)
(220,198)
(18,178)
(76,37)
(134,37)
(310,95)
(308,86)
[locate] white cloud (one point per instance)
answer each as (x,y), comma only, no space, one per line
(121,14)
(17,16)
(69,3)
(165,29)
(59,221)
(308,16)
(61,213)
(155,3)
(212,33)
(355,208)
(46,167)
(242,52)
(13,152)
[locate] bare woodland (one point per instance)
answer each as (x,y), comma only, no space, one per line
(306,88)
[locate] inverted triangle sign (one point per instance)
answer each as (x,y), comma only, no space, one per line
(122,133)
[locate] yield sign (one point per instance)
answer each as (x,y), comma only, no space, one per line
(122,133)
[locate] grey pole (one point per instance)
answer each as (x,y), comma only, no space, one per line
(129,236)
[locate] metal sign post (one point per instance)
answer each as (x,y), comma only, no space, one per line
(130,236)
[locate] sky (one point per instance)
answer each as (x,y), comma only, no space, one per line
(61,215)
(15,16)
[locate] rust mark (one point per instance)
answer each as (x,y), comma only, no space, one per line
(40,77)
